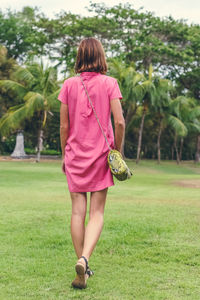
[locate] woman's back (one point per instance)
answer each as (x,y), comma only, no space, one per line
(84,129)
(86,147)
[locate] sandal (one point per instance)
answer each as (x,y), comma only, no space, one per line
(80,281)
(82,274)
(89,271)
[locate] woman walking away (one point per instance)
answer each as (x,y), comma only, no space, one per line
(84,148)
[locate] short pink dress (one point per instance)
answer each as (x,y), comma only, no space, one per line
(86,150)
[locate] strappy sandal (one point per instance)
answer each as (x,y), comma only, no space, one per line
(89,271)
(82,274)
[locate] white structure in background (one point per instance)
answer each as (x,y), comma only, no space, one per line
(19,146)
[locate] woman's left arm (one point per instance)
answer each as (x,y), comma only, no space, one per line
(64,128)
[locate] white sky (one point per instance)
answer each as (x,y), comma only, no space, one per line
(179,9)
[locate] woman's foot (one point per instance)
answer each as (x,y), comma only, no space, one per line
(80,281)
(82,275)
(81,266)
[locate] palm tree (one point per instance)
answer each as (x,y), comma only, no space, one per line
(38,88)
(131,85)
(197,155)
(160,107)
(184,119)
(193,125)
(187,110)
(147,91)
(129,81)
(7,66)
(137,92)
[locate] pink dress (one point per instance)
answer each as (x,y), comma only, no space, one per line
(86,149)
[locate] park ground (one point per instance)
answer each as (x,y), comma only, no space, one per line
(149,247)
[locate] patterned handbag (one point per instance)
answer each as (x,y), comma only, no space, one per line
(117,165)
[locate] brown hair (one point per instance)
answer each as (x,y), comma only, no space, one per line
(91,57)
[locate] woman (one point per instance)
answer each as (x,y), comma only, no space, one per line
(84,149)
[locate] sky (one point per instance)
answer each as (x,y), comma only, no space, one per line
(178,9)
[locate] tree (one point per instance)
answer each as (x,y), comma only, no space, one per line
(38,88)
(131,88)
(160,107)
(188,112)
(147,93)
(20,34)
(7,66)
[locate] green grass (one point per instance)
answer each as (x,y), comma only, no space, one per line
(149,247)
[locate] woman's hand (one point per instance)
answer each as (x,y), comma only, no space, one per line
(63,166)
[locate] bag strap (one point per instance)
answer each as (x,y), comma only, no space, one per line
(95,113)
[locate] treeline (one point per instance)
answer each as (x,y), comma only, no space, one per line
(156,61)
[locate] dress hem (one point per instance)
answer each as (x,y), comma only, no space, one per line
(94,189)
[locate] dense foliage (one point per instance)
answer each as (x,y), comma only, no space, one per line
(156,61)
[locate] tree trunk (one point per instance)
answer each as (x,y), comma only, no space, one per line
(176,148)
(140,137)
(158,141)
(197,156)
(39,145)
(172,153)
(181,149)
(130,113)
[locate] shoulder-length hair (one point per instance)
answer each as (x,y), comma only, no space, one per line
(91,57)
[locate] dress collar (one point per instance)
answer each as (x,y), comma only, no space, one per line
(88,74)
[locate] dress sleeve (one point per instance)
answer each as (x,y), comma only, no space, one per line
(114,91)
(63,95)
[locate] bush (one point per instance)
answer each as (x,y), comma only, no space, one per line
(43,152)
(7,145)
(50,152)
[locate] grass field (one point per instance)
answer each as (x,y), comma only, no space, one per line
(149,247)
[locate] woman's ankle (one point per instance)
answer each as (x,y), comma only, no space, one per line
(86,256)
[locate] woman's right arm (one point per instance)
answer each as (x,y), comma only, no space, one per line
(119,123)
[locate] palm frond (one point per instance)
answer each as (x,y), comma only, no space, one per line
(149,90)
(193,126)
(195,113)
(177,125)
(17,88)
(34,102)
(138,93)
(36,70)
(16,115)
(53,103)
(148,86)
(13,119)
(177,103)
(23,75)
(150,72)
(137,78)
(49,80)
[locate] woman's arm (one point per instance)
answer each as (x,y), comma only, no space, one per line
(119,123)
(64,127)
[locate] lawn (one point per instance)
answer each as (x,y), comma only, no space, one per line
(149,247)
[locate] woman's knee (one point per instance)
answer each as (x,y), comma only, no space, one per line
(96,213)
(79,204)
(79,212)
(97,209)
(97,203)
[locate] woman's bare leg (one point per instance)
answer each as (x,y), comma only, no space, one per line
(95,224)
(79,209)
